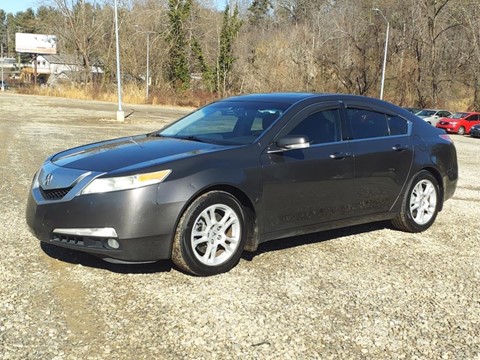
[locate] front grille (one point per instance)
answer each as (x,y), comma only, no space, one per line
(55,194)
(69,239)
(77,240)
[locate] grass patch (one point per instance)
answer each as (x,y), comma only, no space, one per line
(131,94)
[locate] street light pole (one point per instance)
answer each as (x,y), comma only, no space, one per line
(120,112)
(377,10)
(3,64)
(147,78)
(148,65)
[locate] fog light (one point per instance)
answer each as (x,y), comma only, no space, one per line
(113,243)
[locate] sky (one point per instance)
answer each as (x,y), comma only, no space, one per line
(14,6)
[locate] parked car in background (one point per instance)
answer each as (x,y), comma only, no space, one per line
(413,110)
(475,131)
(240,172)
(460,123)
(432,116)
(4,84)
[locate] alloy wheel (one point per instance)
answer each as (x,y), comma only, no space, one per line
(423,202)
(216,235)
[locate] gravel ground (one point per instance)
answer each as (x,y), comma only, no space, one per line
(366,292)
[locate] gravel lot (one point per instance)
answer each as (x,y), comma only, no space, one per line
(366,292)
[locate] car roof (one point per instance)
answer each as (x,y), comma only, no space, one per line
(293,98)
(273,97)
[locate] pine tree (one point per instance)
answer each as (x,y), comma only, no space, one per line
(230,28)
(178,67)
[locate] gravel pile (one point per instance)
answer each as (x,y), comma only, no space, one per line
(366,292)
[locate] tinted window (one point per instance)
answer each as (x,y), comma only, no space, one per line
(473,118)
(320,127)
(371,124)
(397,125)
(367,124)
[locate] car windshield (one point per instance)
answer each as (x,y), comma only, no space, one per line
(427,113)
(226,122)
(458,115)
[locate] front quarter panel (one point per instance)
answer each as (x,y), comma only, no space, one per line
(236,167)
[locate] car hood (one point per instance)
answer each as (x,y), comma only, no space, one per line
(128,154)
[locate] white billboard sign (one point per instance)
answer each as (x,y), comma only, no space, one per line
(35,43)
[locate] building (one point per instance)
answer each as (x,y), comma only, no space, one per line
(53,68)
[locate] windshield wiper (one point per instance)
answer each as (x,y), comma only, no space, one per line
(190,138)
(155,134)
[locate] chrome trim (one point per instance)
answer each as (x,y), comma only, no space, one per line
(97,232)
(61,178)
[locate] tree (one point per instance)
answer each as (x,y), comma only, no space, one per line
(230,28)
(78,25)
(258,12)
(178,65)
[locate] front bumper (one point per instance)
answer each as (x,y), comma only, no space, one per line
(144,229)
(448,128)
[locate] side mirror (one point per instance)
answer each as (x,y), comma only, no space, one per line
(291,143)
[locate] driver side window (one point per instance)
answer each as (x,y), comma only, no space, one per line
(320,127)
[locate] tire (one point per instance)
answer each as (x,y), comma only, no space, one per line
(420,204)
(210,235)
(461,130)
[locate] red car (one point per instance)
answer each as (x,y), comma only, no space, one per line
(459,123)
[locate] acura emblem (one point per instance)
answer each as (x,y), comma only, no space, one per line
(48,179)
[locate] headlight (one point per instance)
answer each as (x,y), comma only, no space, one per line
(35,183)
(102,185)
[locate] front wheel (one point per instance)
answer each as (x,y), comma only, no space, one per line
(420,204)
(210,235)
(461,130)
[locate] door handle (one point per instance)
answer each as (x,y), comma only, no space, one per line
(339,155)
(399,147)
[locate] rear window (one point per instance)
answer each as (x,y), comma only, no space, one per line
(371,124)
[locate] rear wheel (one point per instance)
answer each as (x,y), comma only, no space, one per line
(420,204)
(210,235)
(461,130)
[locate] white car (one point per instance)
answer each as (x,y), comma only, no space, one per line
(433,115)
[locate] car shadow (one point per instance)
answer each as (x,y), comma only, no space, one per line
(295,241)
(84,259)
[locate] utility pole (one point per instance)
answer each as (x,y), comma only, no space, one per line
(378,11)
(120,112)
(3,64)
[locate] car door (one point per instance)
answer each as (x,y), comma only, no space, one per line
(304,187)
(470,121)
(383,153)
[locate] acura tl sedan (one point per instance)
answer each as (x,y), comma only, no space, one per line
(240,172)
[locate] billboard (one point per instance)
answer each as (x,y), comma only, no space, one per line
(35,43)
